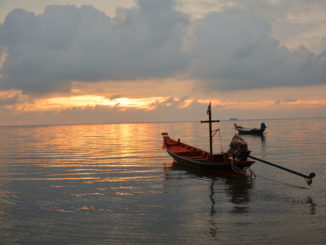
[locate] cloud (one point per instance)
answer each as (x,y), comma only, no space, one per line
(66,43)
(237,52)
(9,98)
(230,50)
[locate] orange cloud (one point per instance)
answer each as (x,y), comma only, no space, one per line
(16,101)
(186,103)
(86,101)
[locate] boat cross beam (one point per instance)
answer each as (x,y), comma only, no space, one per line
(210,121)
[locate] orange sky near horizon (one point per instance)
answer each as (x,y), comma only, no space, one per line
(60,103)
(94,108)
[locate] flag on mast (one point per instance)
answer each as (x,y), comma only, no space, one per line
(209,109)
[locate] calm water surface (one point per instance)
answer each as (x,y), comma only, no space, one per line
(113,184)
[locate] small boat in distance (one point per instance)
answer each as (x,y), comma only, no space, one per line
(252,131)
(232,163)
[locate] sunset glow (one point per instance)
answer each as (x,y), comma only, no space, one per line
(91,101)
(148,103)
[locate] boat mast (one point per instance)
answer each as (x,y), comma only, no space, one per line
(210,121)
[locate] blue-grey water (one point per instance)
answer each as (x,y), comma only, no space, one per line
(113,184)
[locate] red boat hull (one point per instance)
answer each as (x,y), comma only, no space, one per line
(195,158)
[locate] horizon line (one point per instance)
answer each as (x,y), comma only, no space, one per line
(150,122)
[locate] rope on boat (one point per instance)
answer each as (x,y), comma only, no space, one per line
(219,132)
(246,171)
(251,173)
(220,138)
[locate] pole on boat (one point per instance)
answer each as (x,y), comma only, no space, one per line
(307,178)
(210,121)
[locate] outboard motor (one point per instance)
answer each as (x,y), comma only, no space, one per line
(238,148)
(262,125)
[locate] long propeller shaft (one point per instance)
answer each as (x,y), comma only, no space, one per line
(307,178)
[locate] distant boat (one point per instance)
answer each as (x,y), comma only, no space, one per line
(252,131)
(234,119)
(232,163)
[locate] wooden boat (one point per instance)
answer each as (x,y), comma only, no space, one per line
(252,131)
(234,162)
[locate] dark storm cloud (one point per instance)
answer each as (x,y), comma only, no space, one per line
(65,43)
(228,51)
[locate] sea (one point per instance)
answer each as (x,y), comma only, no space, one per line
(114,184)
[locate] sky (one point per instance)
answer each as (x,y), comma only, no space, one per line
(78,61)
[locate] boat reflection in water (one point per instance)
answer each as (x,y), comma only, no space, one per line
(255,141)
(237,189)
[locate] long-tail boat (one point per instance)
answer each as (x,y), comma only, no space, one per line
(252,131)
(234,162)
